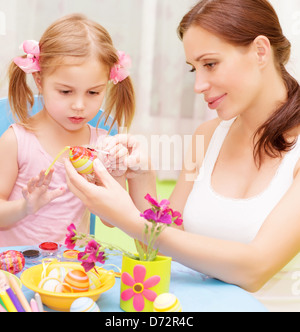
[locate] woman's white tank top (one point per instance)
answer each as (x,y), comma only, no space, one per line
(211,214)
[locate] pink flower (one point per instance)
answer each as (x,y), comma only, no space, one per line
(139,288)
(161,213)
(176,216)
(162,205)
(91,255)
(70,240)
(30,64)
(157,216)
(120,71)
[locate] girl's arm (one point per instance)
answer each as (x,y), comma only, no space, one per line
(12,211)
(35,193)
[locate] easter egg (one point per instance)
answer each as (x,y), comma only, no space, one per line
(94,279)
(82,159)
(71,255)
(77,280)
(166,303)
(12,261)
(84,304)
(59,273)
(50,284)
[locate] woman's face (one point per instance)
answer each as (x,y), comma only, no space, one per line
(73,94)
(228,76)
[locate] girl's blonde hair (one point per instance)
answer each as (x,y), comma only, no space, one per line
(78,37)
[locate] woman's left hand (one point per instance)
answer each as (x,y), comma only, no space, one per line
(109,200)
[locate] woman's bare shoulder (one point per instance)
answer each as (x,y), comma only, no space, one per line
(208,127)
(206,130)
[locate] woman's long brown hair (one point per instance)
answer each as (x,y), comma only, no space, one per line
(239,22)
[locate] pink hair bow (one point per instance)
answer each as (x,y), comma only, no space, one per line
(30,64)
(120,71)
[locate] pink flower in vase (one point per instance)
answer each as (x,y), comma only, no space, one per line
(139,288)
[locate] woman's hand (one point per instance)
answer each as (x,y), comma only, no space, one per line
(110,201)
(37,193)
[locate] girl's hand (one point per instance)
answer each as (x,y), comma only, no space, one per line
(117,152)
(37,193)
(127,155)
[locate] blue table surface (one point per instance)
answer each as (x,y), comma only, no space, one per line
(195,291)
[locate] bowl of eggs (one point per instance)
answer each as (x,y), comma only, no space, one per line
(61,283)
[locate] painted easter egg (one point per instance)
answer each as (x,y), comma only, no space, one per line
(71,255)
(12,261)
(50,284)
(82,159)
(84,304)
(77,280)
(59,273)
(167,302)
(94,279)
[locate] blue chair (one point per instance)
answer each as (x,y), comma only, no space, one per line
(6,120)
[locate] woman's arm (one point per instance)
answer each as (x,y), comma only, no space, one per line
(249,266)
(192,163)
(246,265)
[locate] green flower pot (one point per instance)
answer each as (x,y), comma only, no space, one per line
(142,282)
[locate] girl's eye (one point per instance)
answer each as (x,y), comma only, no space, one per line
(192,70)
(65,92)
(93,93)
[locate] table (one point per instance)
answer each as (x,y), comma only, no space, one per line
(195,291)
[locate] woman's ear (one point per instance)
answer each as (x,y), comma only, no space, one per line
(38,81)
(263,50)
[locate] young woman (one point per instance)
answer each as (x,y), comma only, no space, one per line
(241,214)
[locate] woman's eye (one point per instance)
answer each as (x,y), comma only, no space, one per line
(210,65)
(192,70)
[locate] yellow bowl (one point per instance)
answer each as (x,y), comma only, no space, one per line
(12,275)
(62,301)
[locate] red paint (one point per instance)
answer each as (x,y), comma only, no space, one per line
(49,246)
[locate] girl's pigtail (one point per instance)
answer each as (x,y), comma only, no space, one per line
(121,100)
(20,96)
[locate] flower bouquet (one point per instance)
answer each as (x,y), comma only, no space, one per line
(140,271)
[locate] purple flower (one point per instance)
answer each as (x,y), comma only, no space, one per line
(157,216)
(161,213)
(91,255)
(176,217)
(70,240)
(164,204)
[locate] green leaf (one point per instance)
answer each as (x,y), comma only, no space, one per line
(140,250)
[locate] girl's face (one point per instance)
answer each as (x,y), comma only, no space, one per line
(73,94)
(227,76)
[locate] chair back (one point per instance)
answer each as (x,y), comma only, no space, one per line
(6,119)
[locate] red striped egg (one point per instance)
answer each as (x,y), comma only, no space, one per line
(12,261)
(78,280)
(82,159)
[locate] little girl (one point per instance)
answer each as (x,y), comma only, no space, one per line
(74,66)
